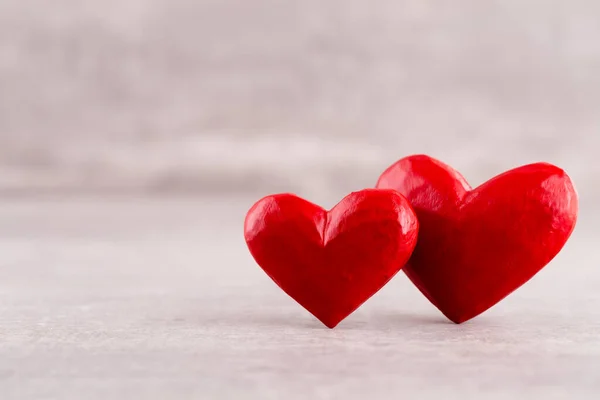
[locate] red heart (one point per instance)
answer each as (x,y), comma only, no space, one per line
(332,261)
(476,246)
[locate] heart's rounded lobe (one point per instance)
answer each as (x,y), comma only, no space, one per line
(331,262)
(478,245)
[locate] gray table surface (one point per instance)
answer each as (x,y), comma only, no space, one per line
(159,298)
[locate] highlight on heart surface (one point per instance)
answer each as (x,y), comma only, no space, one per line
(478,245)
(331,262)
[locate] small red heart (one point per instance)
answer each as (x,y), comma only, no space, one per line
(332,261)
(476,246)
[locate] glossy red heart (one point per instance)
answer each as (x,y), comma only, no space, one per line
(331,262)
(476,246)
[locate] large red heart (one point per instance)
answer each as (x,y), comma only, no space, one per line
(476,246)
(332,261)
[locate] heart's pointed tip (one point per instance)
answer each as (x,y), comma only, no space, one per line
(330,322)
(458,318)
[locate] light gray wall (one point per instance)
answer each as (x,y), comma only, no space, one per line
(311,96)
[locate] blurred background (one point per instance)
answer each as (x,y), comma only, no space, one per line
(312,96)
(135,134)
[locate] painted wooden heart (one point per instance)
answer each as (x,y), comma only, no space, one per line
(476,246)
(331,262)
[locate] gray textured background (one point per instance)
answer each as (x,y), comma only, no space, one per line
(134,135)
(210,95)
